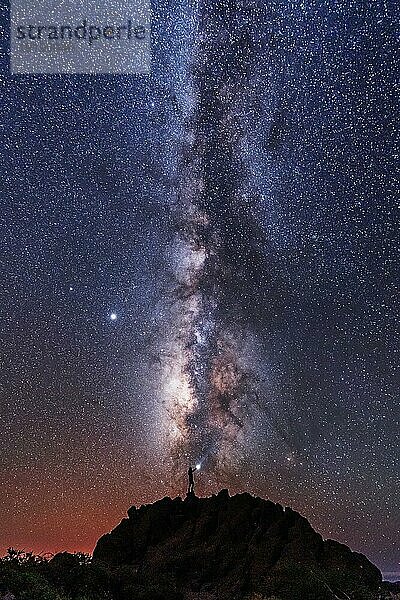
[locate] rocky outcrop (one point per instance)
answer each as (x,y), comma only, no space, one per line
(231,548)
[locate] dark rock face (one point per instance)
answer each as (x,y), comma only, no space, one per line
(231,548)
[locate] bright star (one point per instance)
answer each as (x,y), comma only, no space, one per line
(113,316)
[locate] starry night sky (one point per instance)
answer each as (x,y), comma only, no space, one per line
(200,265)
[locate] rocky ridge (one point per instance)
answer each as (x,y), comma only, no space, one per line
(232,548)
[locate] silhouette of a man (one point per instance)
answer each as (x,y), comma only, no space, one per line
(191,480)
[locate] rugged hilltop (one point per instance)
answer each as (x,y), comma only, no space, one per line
(231,548)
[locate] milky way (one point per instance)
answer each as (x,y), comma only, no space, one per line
(221,275)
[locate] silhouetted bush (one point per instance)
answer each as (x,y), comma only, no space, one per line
(62,577)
